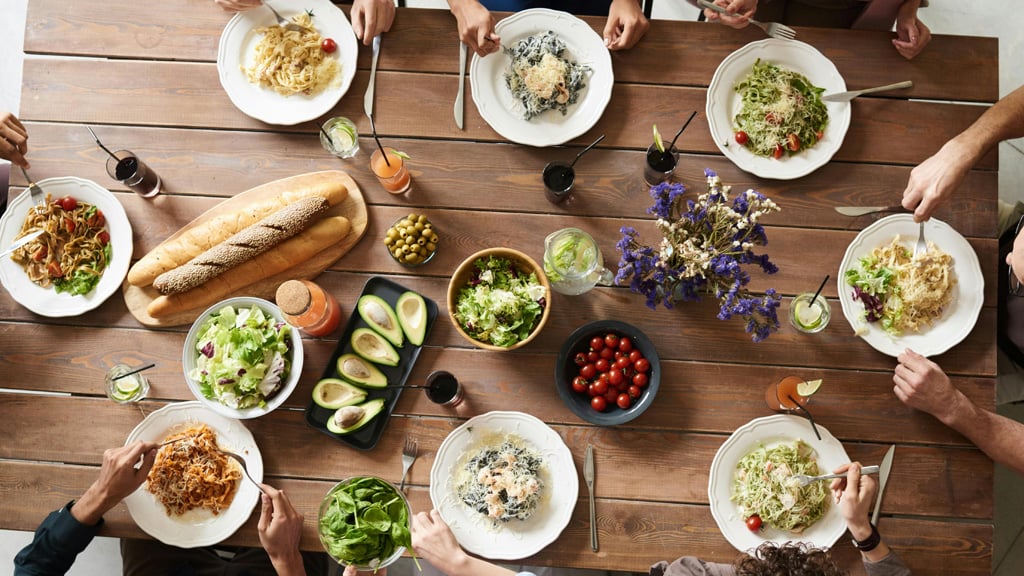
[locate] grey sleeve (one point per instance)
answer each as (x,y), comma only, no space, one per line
(691,566)
(891,565)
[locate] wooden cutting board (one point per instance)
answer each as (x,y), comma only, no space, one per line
(354,208)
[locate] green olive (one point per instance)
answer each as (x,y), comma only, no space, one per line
(433,239)
(397,253)
(422,219)
(421,241)
(413,258)
(430,247)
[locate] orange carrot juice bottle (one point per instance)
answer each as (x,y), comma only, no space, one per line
(778,394)
(393,174)
(308,307)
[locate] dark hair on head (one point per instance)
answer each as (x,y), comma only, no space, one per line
(789,559)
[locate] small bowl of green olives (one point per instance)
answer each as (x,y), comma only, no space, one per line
(411,240)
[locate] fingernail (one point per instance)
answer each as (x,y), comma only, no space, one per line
(607,42)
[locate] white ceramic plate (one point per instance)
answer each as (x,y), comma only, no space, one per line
(770,431)
(196,527)
(238,49)
(46,301)
(957,320)
(189,355)
(724,103)
(515,539)
(504,113)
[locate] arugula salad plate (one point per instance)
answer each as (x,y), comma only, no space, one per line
(46,301)
(516,538)
(769,432)
(237,50)
(958,318)
(196,527)
(724,103)
(505,113)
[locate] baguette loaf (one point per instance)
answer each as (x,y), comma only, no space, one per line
(196,240)
(245,245)
(274,261)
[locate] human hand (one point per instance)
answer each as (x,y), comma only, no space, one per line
(1015,258)
(476,26)
(238,5)
(434,541)
(371,17)
(626,25)
(744,10)
(854,495)
(120,474)
(280,530)
(922,385)
(911,34)
(13,140)
(932,181)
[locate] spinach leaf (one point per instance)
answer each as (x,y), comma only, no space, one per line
(365,521)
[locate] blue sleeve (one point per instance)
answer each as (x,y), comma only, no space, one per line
(56,543)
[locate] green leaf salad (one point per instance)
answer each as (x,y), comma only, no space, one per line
(364,522)
(781,111)
(764,486)
(244,356)
(500,304)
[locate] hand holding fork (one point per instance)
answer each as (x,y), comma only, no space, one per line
(773,29)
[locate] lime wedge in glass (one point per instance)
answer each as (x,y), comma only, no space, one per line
(808,387)
(657,139)
(807,315)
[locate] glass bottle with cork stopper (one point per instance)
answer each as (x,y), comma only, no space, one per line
(308,307)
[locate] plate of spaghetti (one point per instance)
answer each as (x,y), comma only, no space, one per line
(895,301)
(82,255)
(194,495)
(287,77)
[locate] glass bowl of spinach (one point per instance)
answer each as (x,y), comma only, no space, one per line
(380,535)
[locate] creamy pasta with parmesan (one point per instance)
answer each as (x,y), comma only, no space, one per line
(292,62)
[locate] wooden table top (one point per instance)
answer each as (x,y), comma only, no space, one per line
(148,80)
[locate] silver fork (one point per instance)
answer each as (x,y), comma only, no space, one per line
(241,462)
(773,29)
(921,248)
(284,22)
(409,452)
(803,479)
(38,198)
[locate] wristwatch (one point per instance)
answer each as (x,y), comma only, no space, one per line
(870,543)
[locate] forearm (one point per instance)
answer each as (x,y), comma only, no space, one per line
(1003,121)
(290,565)
(91,507)
(999,437)
(466,565)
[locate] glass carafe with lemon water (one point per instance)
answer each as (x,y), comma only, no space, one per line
(573,262)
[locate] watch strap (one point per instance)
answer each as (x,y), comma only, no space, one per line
(870,543)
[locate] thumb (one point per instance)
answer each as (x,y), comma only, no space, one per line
(266,513)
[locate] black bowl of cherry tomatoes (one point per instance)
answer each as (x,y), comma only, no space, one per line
(607,372)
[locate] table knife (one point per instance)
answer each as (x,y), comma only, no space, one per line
(368,98)
(847,96)
(862,210)
(588,476)
(459,98)
(882,477)
(21,242)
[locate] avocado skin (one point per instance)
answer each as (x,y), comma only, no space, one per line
(376,379)
(372,408)
(395,334)
(415,333)
(390,357)
(359,395)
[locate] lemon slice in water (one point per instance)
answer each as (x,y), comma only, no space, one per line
(808,387)
(807,315)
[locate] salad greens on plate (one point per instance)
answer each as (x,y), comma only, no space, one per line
(244,356)
(500,304)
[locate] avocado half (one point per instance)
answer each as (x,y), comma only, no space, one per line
(370,411)
(333,393)
(356,370)
(373,347)
(379,315)
(412,315)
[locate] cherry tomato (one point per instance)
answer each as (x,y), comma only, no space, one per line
(96,220)
(793,142)
(600,387)
(602,377)
(611,396)
(67,203)
(622,363)
(618,354)
(778,151)
(742,138)
(328,45)
(819,134)
(103,237)
(754,523)
(611,341)
(626,345)
(635,392)
(597,343)
(624,401)
(593,356)
(601,365)
(772,118)
(41,254)
(599,403)
(69,224)
(639,379)
(580,359)
(579,384)
(616,377)
(607,353)
(588,371)
(590,389)
(53,269)
(635,355)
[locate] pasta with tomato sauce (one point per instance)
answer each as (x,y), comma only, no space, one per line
(192,473)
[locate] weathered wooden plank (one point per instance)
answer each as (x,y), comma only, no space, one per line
(633,535)
(419,105)
(716,398)
(667,52)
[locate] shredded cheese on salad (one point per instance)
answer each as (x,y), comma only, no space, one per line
(781,111)
(764,486)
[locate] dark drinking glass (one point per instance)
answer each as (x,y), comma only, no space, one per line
(558,180)
(131,171)
(444,389)
(659,165)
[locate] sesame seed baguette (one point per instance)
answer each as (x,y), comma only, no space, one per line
(245,245)
(196,240)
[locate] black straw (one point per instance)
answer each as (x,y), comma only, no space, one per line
(815,298)
(136,371)
(807,412)
(377,140)
(669,149)
(100,144)
(405,386)
(582,152)
(328,136)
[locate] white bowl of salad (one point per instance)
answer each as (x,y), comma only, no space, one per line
(241,359)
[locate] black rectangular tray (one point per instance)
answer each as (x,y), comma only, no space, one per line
(366,437)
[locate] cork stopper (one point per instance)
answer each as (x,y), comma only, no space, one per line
(293,297)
